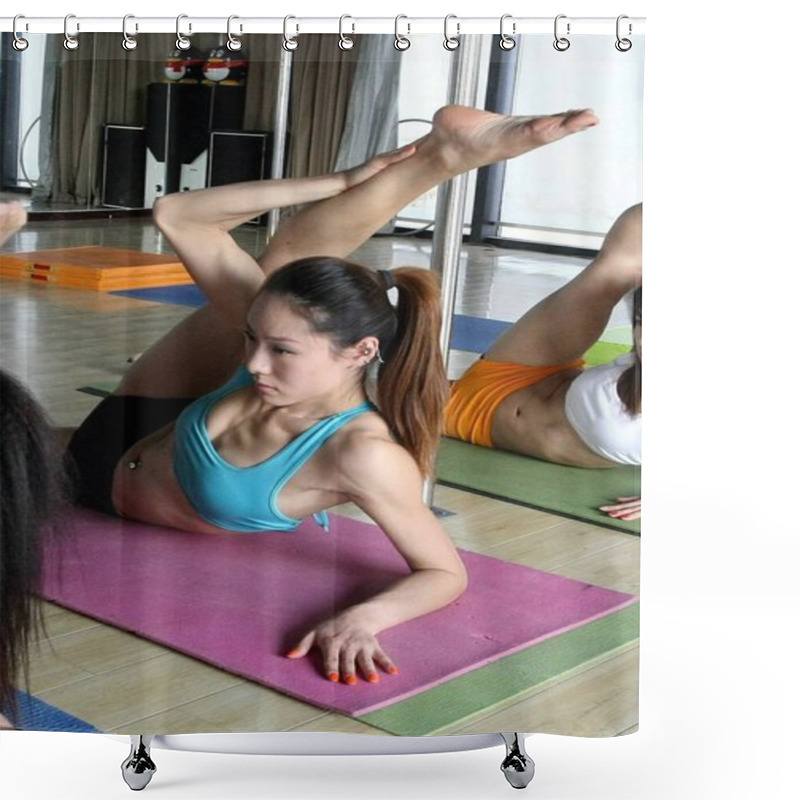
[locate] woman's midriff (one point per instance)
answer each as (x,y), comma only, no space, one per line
(151,493)
(532,421)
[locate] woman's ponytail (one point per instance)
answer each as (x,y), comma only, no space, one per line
(412,382)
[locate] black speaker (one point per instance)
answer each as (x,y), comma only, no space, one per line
(236,156)
(227,107)
(123,166)
(180,117)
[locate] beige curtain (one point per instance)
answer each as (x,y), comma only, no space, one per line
(321,84)
(322,79)
(100,83)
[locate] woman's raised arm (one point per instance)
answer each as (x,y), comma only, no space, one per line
(198,225)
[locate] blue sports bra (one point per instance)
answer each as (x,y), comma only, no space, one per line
(243,499)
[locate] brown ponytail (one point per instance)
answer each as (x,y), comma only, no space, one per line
(412,383)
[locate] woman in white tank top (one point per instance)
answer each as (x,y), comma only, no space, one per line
(586,417)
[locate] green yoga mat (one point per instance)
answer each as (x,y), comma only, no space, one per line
(498,684)
(569,491)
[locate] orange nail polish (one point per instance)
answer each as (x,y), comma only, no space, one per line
(350,680)
(373,677)
(393,671)
(334,676)
(293,653)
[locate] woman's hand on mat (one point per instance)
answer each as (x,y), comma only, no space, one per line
(363,172)
(626,508)
(347,648)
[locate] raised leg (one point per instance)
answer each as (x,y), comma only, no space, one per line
(564,325)
(517,766)
(189,359)
(461,139)
(138,768)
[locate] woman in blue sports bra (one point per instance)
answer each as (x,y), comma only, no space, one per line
(207,435)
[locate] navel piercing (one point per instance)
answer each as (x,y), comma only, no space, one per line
(135,464)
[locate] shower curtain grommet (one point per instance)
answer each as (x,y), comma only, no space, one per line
(561,43)
(70,41)
(401,43)
(623,44)
(19,43)
(182,42)
(451,42)
(233,44)
(506,42)
(128,42)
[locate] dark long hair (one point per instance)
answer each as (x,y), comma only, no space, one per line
(629,385)
(31,487)
(347,302)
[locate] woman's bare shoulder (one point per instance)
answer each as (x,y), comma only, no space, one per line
(366,451)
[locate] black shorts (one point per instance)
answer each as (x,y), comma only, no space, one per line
(114,426)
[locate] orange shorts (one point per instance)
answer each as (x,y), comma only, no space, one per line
(476,396)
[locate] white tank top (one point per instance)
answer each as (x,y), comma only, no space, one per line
(600,418)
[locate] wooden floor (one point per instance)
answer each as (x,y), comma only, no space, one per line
(58,339)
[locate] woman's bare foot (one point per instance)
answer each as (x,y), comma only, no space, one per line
(13,216)
(467,138)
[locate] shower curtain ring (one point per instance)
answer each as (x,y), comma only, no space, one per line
(19,43)
(289,42)
(506,42)
(234,44)
(129,42)
(623,45)
(401,42)
(345,42)
(451,42)
(561,43)
(70,42)
(182,43)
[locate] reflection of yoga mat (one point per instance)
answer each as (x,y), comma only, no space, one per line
(36,715)
(239,601)
(96,268)
(188,295)
(472,334)
(570,491)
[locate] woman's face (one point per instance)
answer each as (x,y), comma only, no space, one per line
(292,363)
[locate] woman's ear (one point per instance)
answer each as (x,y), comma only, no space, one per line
(365,351)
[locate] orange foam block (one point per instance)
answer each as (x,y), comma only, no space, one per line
(101,269)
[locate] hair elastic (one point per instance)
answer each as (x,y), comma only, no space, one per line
(388,278)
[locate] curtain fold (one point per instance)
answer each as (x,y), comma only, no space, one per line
(322,78)
(372,113)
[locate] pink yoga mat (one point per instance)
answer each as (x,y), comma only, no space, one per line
(239,601)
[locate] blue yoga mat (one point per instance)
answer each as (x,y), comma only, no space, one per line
(473,334)
(36,715)
(186,295)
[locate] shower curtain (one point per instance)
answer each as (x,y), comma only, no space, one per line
(152,630)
